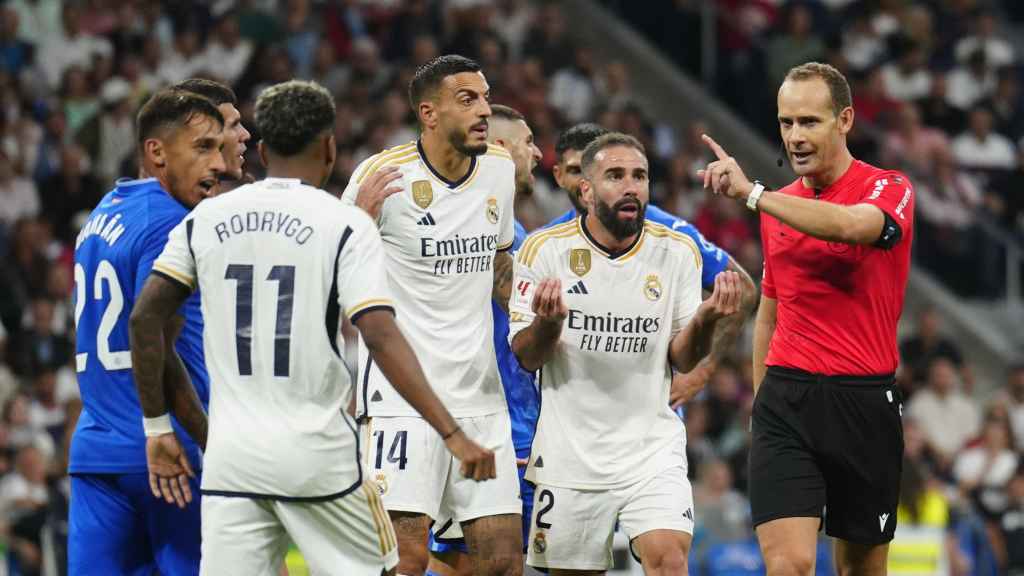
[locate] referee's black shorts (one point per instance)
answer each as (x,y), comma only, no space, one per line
(828,445)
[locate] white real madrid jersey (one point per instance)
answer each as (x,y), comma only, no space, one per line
(440,240)
(277,263)
(605,420)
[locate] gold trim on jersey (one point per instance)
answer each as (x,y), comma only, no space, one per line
(662,231)
(368,303)
(385,532)
(632,251)
(180,277)
(378,161)
(469,179)
(528,251)
(369,437)
(496,150)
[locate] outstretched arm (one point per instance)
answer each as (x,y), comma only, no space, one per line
(503,267)
(855,224)
(535,344)
(169,468)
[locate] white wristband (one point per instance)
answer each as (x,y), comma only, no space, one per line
(157,426)
(755,195)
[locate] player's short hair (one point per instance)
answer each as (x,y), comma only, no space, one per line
(502,112)
(218,93)
(578,137)
(838,87)
(428,77)
(172,107)
(607,141)
(290,115)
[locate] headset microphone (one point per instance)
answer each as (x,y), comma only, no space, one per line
(782,155)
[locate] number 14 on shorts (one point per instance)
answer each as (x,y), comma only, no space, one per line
(397,452)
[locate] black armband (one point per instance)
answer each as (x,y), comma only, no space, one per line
(891,233)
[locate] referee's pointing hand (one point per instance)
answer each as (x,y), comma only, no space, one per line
(724,175)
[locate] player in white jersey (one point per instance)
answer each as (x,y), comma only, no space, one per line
(278,262)
(605,305)
(446,220)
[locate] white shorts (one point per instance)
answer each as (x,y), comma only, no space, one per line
(415,472)
(573,529)
(347,535)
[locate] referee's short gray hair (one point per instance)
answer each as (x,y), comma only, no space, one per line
(607,141)
(290,115)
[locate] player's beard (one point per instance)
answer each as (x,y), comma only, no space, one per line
(576,197)
(608,215)
(459,141)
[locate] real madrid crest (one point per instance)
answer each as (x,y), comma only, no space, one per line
(382,483)
(579,261)
(422,193)
(492,210)
(540,543)
(652,287)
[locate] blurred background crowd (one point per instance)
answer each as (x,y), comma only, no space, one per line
(936,92)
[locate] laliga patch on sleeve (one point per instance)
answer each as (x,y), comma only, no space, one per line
(524,287)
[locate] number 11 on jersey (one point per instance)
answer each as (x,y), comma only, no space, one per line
(243,275)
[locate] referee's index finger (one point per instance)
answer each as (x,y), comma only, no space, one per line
(718,150)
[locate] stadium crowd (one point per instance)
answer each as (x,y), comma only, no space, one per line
(937,96)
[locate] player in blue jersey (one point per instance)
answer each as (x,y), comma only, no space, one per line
(567,172)
(116,526)
(507,128)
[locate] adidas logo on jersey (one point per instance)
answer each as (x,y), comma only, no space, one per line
(688,514)
(578,288)
(427,220)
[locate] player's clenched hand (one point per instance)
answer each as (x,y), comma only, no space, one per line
(477,461)
(725,300)
(375,189)
(724,175)
(169,469)
(547,301)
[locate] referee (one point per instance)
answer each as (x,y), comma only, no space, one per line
(827,433)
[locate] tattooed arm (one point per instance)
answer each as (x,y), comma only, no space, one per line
(169,468)
(502,279)
(180,394)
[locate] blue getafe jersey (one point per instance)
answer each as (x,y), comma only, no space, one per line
(715,259)
(520,390)
(114,253)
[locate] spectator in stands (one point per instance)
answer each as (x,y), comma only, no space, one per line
(928,343)
(907,78)
(724,513)
(72,46)
(1011,525)
(985,36)
(971,82)
(912,146)
(23,272)
(862,48)
(572,90)
(723,221)
(1006,106)
(183,59)
(947,417)
(18,195)
(46,412)
(871,103)
(78,99)
(111,138)
(15,53)
(227,54)
(24,498)
(38,347)
(980,147)
(793,46)
(698,446)
(937,111)
(1012,396)
(20,430)
(723,400)
(72,189)
(982,472)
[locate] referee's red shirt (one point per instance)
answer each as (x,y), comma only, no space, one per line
(838,304)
